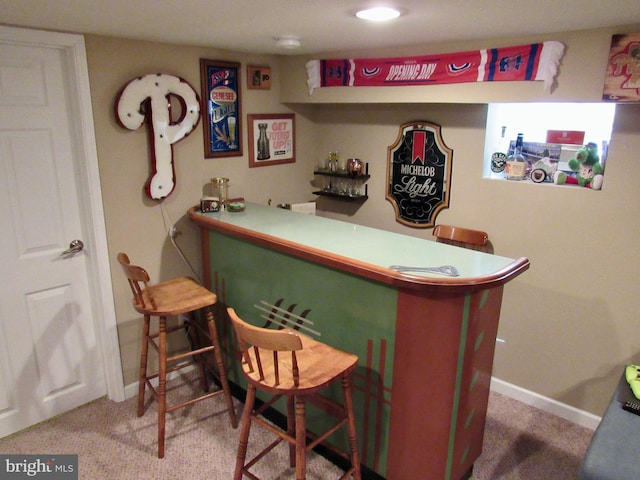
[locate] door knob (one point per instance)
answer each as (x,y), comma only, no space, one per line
(74,247)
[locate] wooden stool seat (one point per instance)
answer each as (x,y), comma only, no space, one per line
(179,296)
(175,297)
(287,363)
(462,237)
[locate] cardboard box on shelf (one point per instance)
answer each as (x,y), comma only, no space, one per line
(573,137)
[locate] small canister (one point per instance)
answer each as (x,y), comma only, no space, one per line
(209,204)
(220,190)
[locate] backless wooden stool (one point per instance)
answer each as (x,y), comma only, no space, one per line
(462,237)
(286,363)
(166,299)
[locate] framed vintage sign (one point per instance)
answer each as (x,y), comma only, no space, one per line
(622,81)
(271,139)
(419,174)
(221,114)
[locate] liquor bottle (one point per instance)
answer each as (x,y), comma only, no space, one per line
(499,157)
(333,162)
(516,165)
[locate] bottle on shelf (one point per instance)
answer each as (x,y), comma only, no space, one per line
(333,162)
(516,166)
(499,157)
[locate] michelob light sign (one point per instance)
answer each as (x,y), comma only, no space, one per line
(419,174)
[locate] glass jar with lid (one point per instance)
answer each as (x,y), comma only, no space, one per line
(220,190)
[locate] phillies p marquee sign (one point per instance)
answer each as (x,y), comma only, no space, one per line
(419,174)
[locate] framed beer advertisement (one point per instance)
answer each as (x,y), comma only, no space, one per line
(271,139)
(419,174)
(221,112)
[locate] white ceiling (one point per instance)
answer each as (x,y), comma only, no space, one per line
(322,25)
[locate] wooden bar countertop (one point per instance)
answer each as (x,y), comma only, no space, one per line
(364,251)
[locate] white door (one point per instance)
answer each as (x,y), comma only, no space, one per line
(51,351)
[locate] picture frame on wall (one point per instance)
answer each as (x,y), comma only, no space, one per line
(419,166)
(622,80)
(271,139)
(221,108)
(258,78)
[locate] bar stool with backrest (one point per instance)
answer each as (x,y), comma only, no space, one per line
(286,363)
(176,297)
(462,237)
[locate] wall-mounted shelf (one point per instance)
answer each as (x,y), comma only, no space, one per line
(342,196)
(342,175)
(344,186)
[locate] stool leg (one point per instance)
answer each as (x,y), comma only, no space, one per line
(351,426)
(142,377)
(162,383)
(245,429)
(301,440)
(199,359)
(291,428)
(221,370)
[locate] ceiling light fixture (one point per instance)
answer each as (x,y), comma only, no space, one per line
(378,14)
(287,41)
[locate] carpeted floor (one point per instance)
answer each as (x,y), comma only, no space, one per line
(113,443)
(524,443)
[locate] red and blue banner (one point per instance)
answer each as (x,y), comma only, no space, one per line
(538,61)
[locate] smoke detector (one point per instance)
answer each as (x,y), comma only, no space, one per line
(288,42)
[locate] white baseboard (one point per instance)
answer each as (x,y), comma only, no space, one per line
(131,390)
(546,404)
(562,410)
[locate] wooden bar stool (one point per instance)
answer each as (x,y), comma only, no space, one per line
(166,299)
(463,237)
(286,363)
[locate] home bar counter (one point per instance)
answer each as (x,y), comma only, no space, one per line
(425,340)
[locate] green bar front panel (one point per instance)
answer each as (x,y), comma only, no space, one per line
(422,384)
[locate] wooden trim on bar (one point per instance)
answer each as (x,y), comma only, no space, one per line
(206,256)
(362,269)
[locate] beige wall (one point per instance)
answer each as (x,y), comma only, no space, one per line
(569,322)
(581,74)
(136,224)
